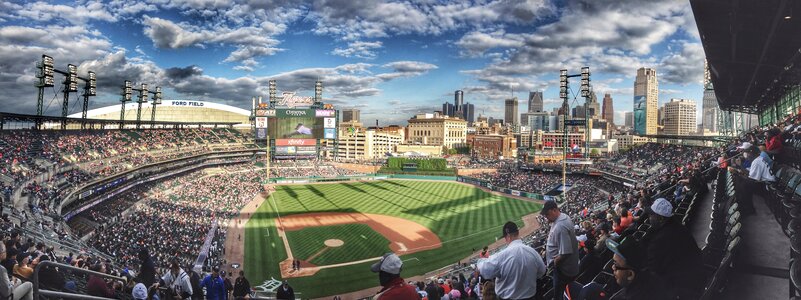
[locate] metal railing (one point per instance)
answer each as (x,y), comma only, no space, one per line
(37,293)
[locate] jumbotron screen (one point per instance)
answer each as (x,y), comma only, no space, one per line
(302,124)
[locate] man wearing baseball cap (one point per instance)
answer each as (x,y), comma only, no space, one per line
(515,269)
(630,273)
(392,285)
(671,250)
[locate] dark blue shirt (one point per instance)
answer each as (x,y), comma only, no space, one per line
(215,288)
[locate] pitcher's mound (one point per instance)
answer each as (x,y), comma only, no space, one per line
(334,243)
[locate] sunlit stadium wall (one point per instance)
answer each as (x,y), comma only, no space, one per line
(175,111)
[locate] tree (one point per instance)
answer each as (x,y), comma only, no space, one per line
(595,152)
(452,151)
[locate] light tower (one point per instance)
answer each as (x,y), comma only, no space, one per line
(156,101)
(127,91)
(142,99)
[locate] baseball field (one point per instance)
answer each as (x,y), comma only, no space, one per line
(337,230)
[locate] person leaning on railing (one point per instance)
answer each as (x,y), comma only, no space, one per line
(15,289)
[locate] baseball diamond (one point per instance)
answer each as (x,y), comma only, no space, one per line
(430,224)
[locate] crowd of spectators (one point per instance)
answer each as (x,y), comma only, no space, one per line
(182,208)
(307,169)
(649,161)
(542,182)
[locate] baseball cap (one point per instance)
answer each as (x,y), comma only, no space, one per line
(745,145)
(548,205)
(629,250)
(390,263)
(661,207)
(139,292)
(509,227)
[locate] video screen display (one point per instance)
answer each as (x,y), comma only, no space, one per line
(300,123)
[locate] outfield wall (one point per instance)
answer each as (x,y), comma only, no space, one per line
(282,180)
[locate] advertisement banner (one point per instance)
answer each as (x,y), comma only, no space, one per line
(296,142)
(640,114)
(261,133)
(515,193)
(329,123)
(289,99)
(330,133)
(261,122)
(325,113)
(284,150)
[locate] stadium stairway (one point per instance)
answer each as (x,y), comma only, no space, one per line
(761,269)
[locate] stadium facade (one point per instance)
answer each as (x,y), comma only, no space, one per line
(175,111)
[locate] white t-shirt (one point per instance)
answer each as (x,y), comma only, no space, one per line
(760,171)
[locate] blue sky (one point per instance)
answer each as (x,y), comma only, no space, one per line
(391,59)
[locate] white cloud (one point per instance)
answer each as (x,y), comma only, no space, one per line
(359,49)
(79,14)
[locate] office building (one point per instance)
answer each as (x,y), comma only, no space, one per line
(680,117)
(535,102)
(608,111)
(511,116)
(646,96)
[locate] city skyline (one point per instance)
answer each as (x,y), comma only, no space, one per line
(388,59)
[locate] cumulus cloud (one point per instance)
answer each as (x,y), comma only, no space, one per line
(353,20)
(611,36)
(683,66)
(358,49)
(250,42)
(79,14)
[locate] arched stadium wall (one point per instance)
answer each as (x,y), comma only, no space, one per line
(174,111)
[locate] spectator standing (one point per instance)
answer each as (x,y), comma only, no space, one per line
(561,248)
(515,269)
(241,287)
(179,283)
(194,278)
(214,285)
(393,287)
(229,286)
(285,292)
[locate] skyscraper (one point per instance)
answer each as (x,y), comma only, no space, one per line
(350,115)
(535,102)
(468,113)
(709,106)
(608,109)
(646,96)
(458,98)
(511,116)
(629,120)
(680,117)
(593,107)
(448,109)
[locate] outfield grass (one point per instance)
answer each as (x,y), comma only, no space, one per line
(361,242)
(465,219)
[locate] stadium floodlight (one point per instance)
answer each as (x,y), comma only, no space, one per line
(72,78)
(92,84)
(47,60)
(127,90)
(47,71)
(143,93)
(157,96)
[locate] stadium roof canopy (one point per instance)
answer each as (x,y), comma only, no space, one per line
(752,47)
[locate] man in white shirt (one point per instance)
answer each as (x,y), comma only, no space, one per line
(515,269)
(760,168)
(178,281)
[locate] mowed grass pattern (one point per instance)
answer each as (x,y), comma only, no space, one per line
(361,242)
(465,219)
